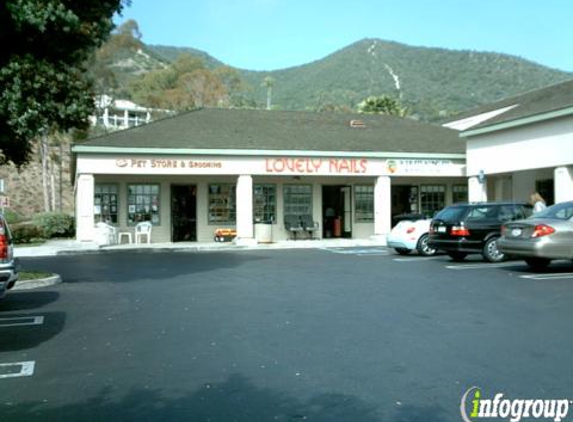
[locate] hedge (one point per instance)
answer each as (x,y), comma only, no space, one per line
(55,224)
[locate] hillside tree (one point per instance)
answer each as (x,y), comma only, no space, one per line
(382,105)
(235,85)
(337,100)
(124,41)
(188,84)
(45,49)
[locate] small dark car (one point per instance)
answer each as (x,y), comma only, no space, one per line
(464,229)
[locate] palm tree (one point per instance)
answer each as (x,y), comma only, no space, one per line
(268,83)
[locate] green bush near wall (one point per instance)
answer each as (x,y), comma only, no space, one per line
(55,224)
(12,217)
(26,233)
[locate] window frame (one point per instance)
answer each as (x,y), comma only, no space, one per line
(422,193)
(268,217)
(299,204)
(358,205)
(151,195)
(116,193)
(460,185)
(231,207)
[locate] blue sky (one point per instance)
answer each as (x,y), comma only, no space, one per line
(275,34)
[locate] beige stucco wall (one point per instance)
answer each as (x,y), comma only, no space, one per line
(205,231)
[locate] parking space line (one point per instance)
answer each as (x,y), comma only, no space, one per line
(26,369)
(371,254)
(418,258)
(481,266)
(555,276)
(20,321)
(357,251)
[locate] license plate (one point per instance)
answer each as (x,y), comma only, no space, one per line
(516,232)
(441,229)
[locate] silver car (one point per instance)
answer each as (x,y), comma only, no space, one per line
(544,236)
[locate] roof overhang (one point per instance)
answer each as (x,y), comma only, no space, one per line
(518,122)
(85,149)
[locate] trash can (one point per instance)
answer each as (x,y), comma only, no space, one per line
(337,227)
(264,232)
(104,234)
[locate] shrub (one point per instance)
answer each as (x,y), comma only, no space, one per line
(26,233)
(55,224)
(12,217)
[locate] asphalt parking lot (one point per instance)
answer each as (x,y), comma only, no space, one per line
(339,334)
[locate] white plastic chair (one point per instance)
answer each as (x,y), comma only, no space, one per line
(105,234)
(143,229)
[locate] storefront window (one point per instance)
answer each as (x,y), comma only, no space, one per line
(222,204)
(364,203)
(432,199)
(143,203)
(265,203)
(459,193)
(105,203)
(297,200)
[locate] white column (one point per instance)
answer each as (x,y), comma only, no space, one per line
(126,119)
(382,208)
(106,117)
(245,211)
(85,208)
(477,192)
(498,189)
(563,184)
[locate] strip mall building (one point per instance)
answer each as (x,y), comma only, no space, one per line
(252,170)
(521,145)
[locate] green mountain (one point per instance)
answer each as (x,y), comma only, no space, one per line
(169,54)
(433,83)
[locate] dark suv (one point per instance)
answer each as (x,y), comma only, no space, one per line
(463,229)
(9,266)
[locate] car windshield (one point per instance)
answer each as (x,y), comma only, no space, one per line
(562,211)
(454,213)
(484,212)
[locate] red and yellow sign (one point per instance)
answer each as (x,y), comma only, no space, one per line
(316,165)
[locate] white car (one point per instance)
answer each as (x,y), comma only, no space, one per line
(409,235)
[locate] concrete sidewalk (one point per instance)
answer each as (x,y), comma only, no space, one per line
(67,247)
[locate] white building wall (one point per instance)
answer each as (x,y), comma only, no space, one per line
(535,146)
(85,207)
(244,207)
(317,206)
(204,230)
(523,182)
(523,185)
(563,184)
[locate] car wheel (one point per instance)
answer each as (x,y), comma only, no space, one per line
(10,285)
(423,247)
(491,252)
(403,251)
(538,263)
(457,256)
